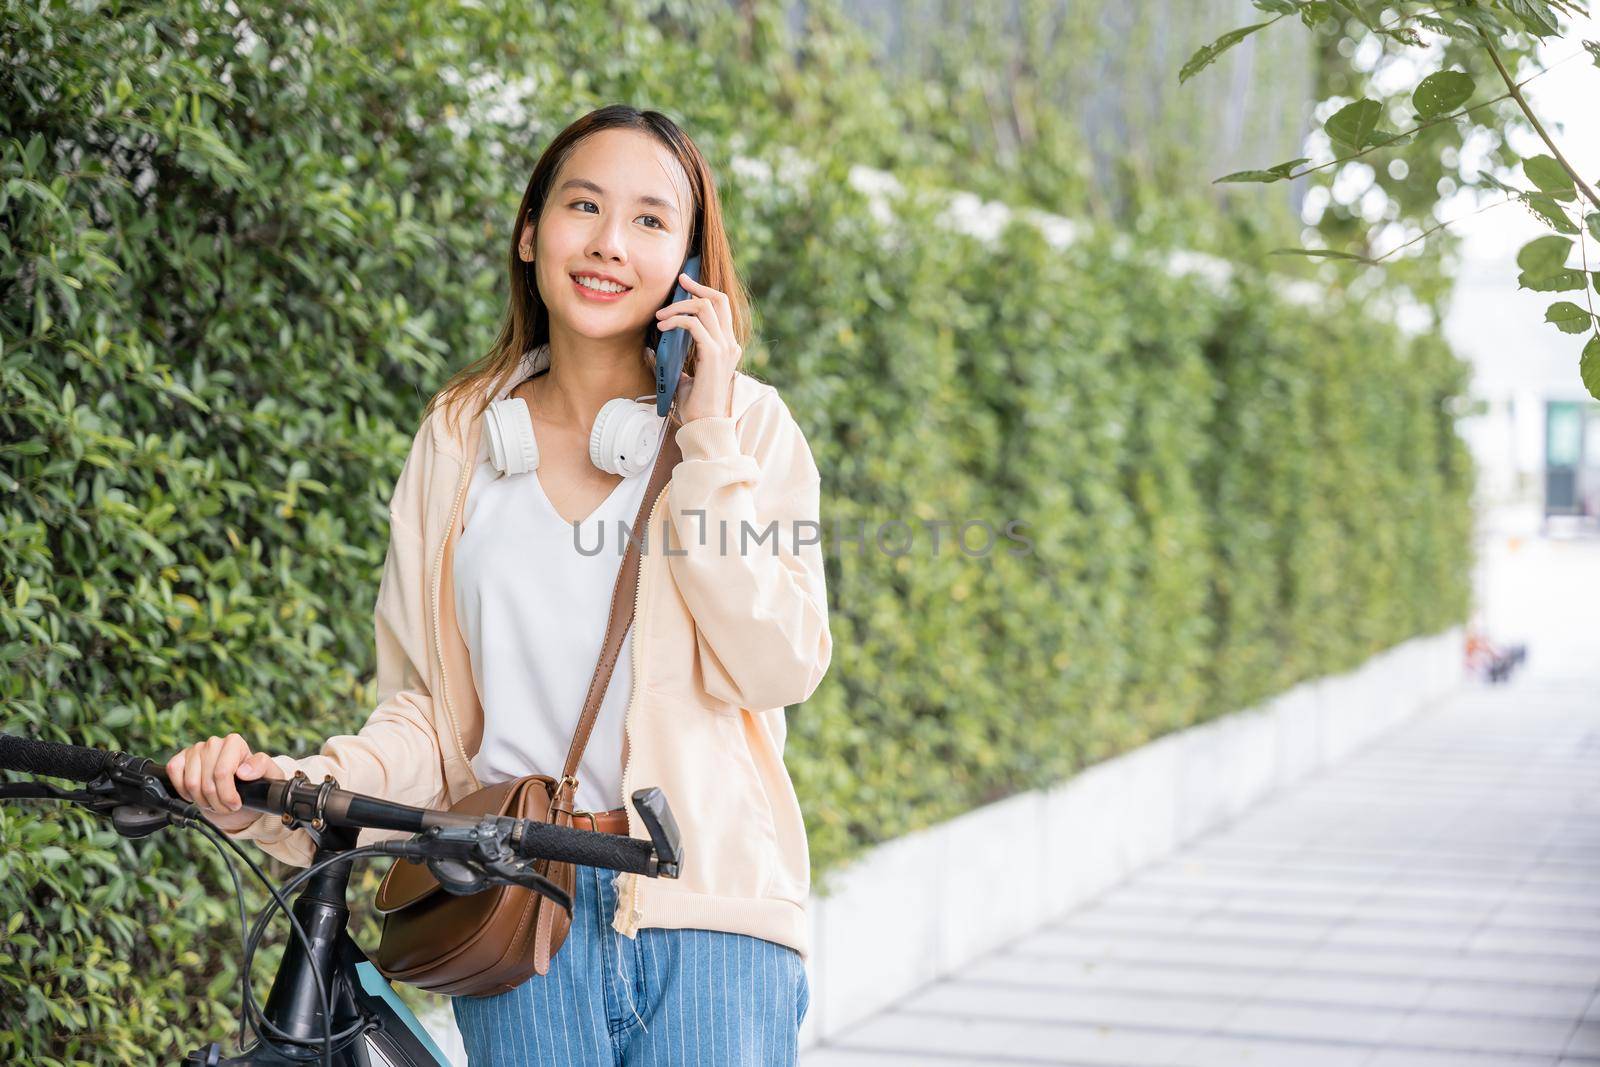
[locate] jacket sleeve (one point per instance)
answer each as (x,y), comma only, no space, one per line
(396,754)
(758,599)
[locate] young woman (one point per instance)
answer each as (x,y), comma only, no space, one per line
(493,604)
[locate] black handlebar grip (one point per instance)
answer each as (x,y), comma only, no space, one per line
(578,845)
(51,758)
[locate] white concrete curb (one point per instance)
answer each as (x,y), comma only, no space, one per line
(924,905)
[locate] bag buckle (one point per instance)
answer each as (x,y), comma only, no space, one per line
(560,783)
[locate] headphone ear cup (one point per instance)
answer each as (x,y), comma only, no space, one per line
(509,427)
(624,437)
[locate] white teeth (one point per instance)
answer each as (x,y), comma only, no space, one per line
(604,287)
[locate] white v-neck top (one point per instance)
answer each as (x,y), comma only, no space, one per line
(532,609)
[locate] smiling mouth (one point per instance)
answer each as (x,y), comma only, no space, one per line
(584,282)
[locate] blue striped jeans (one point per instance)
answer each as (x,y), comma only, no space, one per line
(667,998)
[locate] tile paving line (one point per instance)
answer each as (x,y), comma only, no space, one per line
(1441,769)
(1496,909)
(1529,863)
(1567,777)
(1444,890)
(935,1055)
(1428,786)
(1529,806)
(1312,944)
(1335,901)
(1201,872)
(1236,1000)
(1589,1016)
(1461,897)
(1429,891)
(1134,911)
(1296,970)
(1196,1034)
(1246,850)
(1479,847)
(1292,872)
(1462,1058)
(1544,871)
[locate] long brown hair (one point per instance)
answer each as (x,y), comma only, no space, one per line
(526,324)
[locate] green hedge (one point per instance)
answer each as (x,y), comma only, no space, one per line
(238,263)
(1228,493)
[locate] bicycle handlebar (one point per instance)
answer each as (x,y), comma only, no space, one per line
(302,801)
(31,756)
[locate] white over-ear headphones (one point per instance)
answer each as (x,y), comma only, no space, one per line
(623,440)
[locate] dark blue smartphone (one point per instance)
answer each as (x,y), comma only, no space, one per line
(673,345)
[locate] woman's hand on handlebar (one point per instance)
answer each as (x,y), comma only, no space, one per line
(203,773)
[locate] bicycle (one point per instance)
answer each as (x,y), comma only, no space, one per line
(328,1001)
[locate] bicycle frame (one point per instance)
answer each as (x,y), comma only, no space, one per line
(357,989)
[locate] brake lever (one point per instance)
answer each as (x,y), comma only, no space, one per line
(467,876)
(135,810)
(469,859)
(529,878)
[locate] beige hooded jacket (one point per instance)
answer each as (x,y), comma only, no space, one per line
(724,640)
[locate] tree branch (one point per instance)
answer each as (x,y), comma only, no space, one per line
(1516,94)
(1436,121)
(1442,225)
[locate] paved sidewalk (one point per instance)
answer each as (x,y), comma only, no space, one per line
(1432,902)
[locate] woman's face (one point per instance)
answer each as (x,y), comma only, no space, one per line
(619,207)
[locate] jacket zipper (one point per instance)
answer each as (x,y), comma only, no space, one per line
(631,924)
(438,572)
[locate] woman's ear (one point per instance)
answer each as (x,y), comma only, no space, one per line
(527,239)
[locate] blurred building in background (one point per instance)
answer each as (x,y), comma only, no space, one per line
(1534,429)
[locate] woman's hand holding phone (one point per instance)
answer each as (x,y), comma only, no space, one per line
(203,774)
(708,317)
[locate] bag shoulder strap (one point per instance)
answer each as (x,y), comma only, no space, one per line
(624,597)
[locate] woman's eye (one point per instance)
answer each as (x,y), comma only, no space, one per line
(658,223)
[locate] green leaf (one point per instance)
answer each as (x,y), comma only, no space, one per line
(1535,16)
(32,155)
(119,716)
(1277,7)
(1441,93)
(1326,253)
(1589,366)
(1561,281)
(1484,19)
(1272,174)
(1451,28)
(1207,55)
(1550,176)
(1485,178)
(1316,12)
(1352,126)
(1544,255)
(1355,8)
(1567,317)
(1593,48)
(1594,224)
(1550,211)
(1404,34)
(1249,176)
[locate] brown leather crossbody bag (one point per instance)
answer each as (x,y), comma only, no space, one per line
(491,941)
